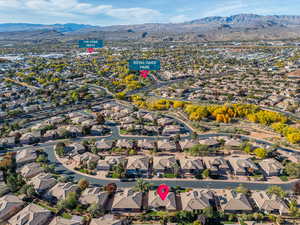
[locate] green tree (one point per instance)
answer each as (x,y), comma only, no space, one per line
(242,189)
(292,169)
(277,190)
(83,184)
(96,210)
(206,173)
(141,185)
(261,153)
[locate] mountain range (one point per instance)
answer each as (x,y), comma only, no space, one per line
(217,28)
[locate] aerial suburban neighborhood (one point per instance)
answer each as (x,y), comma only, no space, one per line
(87,139)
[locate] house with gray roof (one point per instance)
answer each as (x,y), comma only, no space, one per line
(25,156)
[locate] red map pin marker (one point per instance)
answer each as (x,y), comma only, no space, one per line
(163,191)
(90,50)
(144,73)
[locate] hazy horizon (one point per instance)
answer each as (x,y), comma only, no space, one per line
(116,12)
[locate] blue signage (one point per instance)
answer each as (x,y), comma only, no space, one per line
(90,43)
(146,64)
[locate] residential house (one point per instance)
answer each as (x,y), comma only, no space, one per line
(155,201)
(211,142)
(137,165)
(191,165)
(9,206)
(146,144)
(62,221)
(32,214)
(94,195)
(124,143)
(25,156)
(187,144)
(43,182)
(165,145)
(270,203)
(104,145)
(171,130)
(109,219)
(60,191)
(75,149)
(231,201)
(271,167)
(242,166)
(31,170)
(30,138)
(165,121)
(109,162)
(197,199)
(86,158)
(216,165)
(164,164)
(150,117)
(233,144)
(127,200)
(98,130)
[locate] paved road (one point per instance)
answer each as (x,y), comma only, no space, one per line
(217,184)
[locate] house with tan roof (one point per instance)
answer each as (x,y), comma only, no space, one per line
(146,144)
(9,206)
(242,166)
(234,144)
(271,167)
(127,200)
(197,199)
(109,219)
(165,121)
(87,158)
(43,182)
(31,170)
(25,156)
(270,203)
(61,190)
(94,195)
(32,214)
(62,221)
(150,117)
(137,165)
(164,164)
(191,165)
(216,165)
(104,145)
(155,202)
(165,145)
(231,201)
(109,162)
(211,142)
(187,144)
(124,143)
(171,130)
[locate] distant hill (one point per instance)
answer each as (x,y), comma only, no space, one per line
(68,27)
(216,28)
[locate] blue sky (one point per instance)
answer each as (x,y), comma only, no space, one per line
(113,12)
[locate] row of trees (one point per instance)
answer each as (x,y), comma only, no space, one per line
(225,113)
